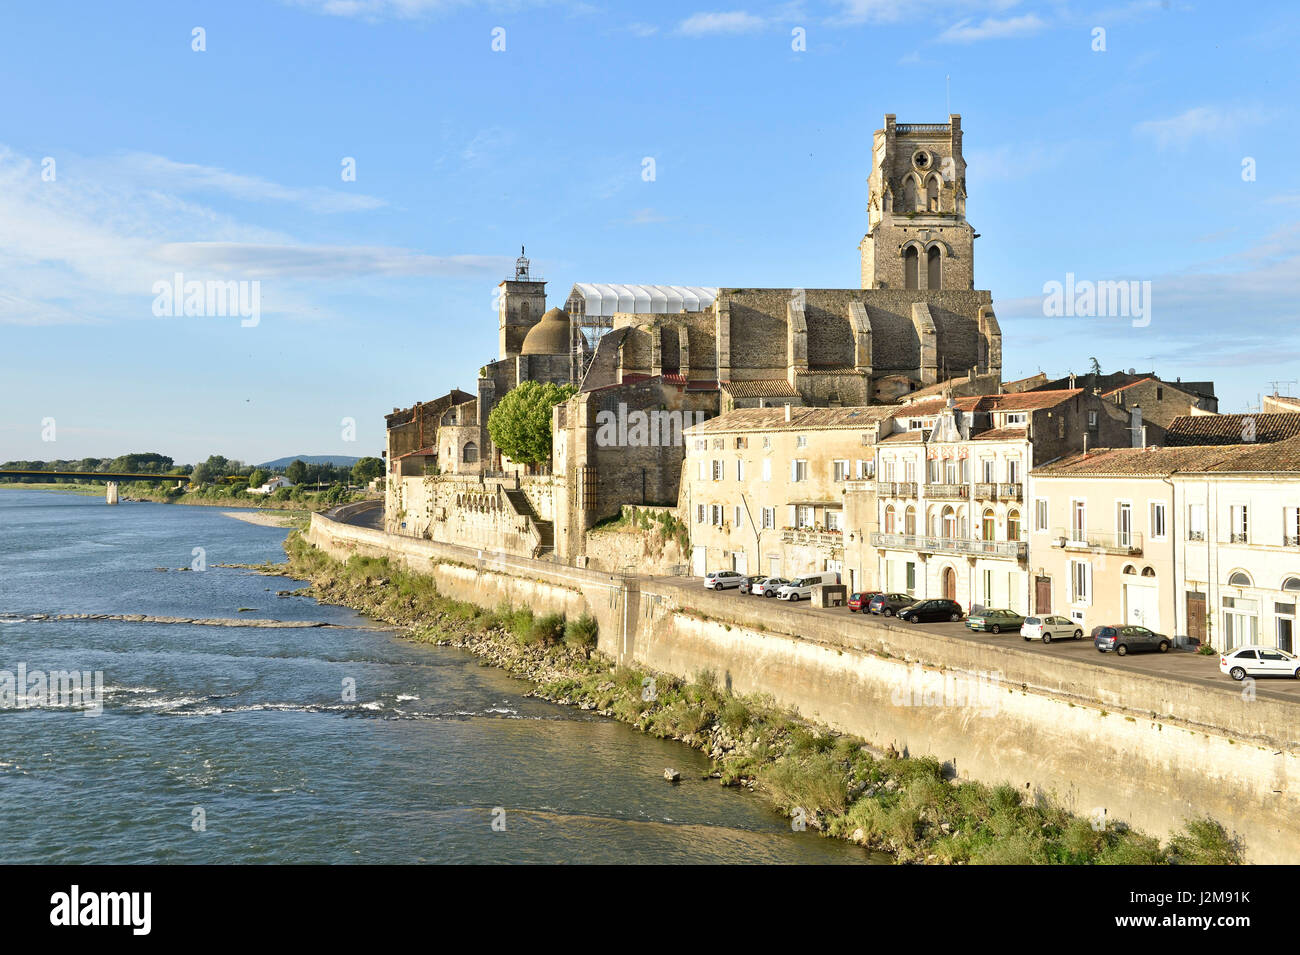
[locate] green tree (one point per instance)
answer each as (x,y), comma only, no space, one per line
(202,474)
(520,424)
(366,470)
(258,478)
(1096,366)
(296,472)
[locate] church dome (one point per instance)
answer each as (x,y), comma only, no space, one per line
(550,336)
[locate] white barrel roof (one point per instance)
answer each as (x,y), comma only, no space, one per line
(606,299)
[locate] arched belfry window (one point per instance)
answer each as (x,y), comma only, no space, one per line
(911,268)
(909,195)
(934,268)
(932,194)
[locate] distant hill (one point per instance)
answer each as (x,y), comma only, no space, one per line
(334,459)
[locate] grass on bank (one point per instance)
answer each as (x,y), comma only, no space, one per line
(165,492)
(905,806)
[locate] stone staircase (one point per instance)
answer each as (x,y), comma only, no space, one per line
(545,529)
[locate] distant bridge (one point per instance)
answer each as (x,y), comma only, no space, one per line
(113,478)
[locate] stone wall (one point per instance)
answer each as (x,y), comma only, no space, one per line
(1143,749)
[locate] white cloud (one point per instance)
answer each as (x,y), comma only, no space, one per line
(89,245)
(1199,122)
(891,11)
(704,24)
(991,28)
(159,172)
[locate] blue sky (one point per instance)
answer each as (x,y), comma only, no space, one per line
(1122,164)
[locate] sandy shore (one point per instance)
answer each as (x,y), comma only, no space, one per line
(265,519)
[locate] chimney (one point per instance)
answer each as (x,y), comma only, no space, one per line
(1135,425)
(787,411)
(1071,381)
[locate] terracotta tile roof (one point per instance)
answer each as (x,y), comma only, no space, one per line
(1205,429)
(760,388)
(931,390)
(933,406)
(801,419)
(1002,434)
(420,452)
(1027,400)
(1278,457)
(905,437)
(1115,391)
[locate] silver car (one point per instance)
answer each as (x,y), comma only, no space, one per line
(768,587)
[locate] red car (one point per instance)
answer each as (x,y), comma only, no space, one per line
(860,602)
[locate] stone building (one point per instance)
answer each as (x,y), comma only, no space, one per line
(1150,402)
(764,489)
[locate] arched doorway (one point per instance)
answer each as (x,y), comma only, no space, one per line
(949,583)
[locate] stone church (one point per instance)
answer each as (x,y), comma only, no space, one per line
(915,321)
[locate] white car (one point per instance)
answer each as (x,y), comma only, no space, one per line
(1049,628)
(801,587)
(768,587)
(722,579)
(1259,661)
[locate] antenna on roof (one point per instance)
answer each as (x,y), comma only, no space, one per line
(947,82)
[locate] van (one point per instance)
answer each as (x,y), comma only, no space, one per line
(801,587)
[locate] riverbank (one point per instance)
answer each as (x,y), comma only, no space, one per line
(200,498)
(829,782)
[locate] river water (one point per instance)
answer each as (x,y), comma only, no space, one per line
(237,745)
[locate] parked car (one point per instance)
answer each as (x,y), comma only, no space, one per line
(927,611)
(890,604)
(1127,637)
(995,620)
(747,582)
(861,601)
(768,586)
(1259,661)
(801,587)
(722,579)
(1050,628)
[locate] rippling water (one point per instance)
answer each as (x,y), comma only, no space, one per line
(248,728)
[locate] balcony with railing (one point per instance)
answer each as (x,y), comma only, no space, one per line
(812,537)
(1112,542)
(988,491)
(972,547)
(896,489)
(947,492)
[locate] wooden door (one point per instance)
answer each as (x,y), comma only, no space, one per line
(1042,595)
(1196,616)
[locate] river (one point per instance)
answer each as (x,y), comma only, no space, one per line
(240,745)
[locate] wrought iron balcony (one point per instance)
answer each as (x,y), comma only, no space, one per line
(951,545)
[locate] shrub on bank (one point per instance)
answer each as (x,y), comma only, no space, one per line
(581,633)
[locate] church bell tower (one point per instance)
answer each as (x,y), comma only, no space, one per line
(917,233)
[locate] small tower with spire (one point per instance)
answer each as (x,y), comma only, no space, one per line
(521,302)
